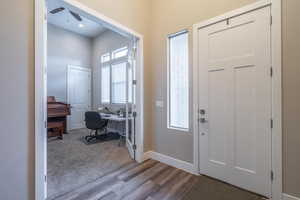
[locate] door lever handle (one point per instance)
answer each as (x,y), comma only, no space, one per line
(202,120)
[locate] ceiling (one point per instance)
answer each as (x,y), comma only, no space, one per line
(66,21)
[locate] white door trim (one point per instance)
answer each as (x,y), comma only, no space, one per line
(40,107)
(40,89)
(69,67)
(276,86)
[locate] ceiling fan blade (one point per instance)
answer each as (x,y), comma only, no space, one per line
(75,15)
(56,10)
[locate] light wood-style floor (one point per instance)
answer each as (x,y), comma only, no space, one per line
(150,180)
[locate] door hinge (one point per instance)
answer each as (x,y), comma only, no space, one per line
(134,147)
(134,82)
(272,176)
(271,71)
(271,20)
(271,123)
(45,124)
(45,178)
(134,114)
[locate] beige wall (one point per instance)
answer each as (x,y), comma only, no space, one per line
(17,81)
(291,96)
(169,16)
(17,100)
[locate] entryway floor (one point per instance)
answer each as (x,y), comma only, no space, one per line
(152,180)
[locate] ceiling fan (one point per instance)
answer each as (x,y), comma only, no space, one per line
(60,9)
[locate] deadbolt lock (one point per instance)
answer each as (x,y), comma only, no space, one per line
(202,112)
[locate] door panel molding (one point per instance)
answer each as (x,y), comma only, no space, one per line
(83,69)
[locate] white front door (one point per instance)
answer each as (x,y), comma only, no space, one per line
(79,95)
(235,101)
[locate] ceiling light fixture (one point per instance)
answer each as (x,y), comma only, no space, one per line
(80,25)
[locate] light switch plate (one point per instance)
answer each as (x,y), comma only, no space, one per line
(159,104)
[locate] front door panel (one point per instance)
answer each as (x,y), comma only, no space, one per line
(235,92)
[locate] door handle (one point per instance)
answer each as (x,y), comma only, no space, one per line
(202,120)
(202,112)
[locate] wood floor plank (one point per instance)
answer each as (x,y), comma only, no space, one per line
(168,189)
(166,176)
(138,180)
(136,170)
(177,188)
(109,196)
(143,191)
(187,187)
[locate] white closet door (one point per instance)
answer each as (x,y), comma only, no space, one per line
(235,98)
(79,95)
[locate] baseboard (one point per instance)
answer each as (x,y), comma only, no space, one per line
(289,197)
(147,155)
(183,165)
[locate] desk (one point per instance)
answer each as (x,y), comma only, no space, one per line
(112,117)
(116,124)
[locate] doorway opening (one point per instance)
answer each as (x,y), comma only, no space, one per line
(89,103)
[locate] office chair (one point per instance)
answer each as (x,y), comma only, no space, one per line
(94,122)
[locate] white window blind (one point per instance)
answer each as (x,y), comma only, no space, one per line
(119,83)
(178,85)
(105,84)
(130,80)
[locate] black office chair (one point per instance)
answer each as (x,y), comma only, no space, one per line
(94,122)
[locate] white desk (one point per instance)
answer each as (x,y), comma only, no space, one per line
(112,117)
(116,124)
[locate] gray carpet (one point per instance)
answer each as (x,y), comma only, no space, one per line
(71,163)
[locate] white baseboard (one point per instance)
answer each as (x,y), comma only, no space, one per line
(289,197)
(188,167)
(147,155)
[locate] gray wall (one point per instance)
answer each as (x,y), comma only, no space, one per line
(65,48)
(104,43)
(17,100)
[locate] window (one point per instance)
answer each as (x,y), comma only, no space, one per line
(105,84)
(118,83)
(178,81)
(105,58)
(116,77)
(120,53)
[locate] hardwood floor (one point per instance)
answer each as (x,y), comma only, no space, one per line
(150,180)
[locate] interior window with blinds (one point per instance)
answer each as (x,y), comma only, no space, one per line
(105,84)
(116,77)
(119,83)
(178,81)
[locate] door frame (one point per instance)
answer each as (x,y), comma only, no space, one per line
(276,62)
(40,17)
(89,70)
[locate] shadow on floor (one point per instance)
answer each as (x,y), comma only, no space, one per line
(207,188)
